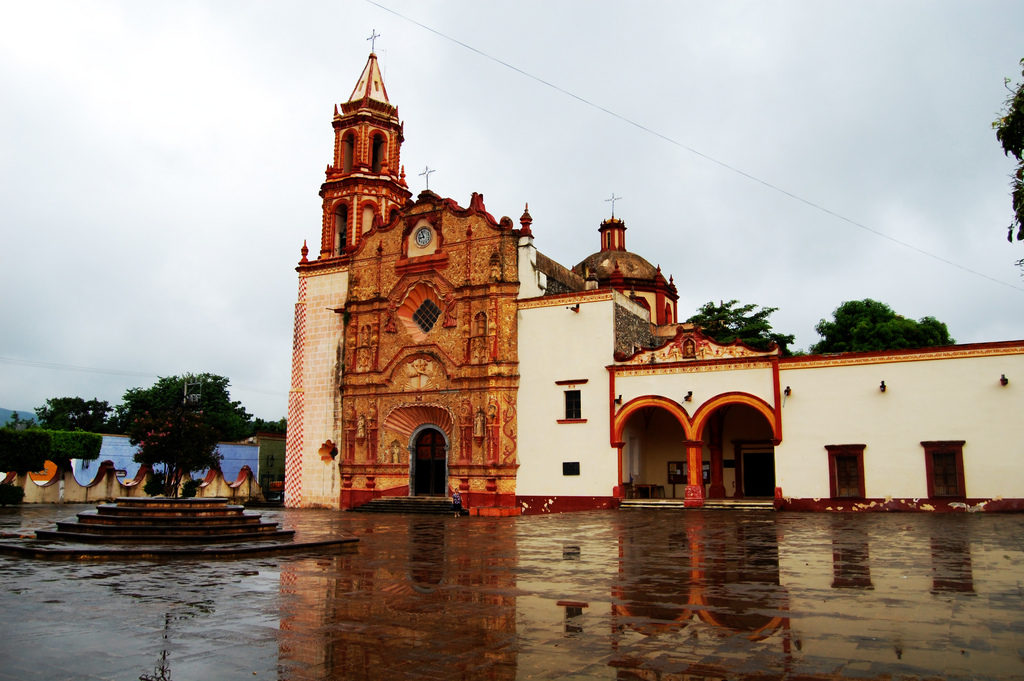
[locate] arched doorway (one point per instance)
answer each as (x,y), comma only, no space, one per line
(653,453)
(429,463)
(739,452)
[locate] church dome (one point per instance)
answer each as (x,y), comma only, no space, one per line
(603,263)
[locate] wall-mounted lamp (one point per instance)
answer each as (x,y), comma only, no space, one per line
(1003,380)
(575,308)
(788,391)
(618,400)
(688,396)
(881,386)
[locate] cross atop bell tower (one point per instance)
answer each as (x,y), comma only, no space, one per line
(366,182)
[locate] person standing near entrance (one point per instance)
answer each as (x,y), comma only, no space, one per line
(457,503)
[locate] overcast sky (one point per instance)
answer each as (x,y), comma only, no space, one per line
(160,162)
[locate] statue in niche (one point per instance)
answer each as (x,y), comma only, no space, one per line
(478,423)
(492,411)
(389,320)
(350,349)
(361,427)
(364,335)
(395,450)
(495,265)
(689,349)
(449,314)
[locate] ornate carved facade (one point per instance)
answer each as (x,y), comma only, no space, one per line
(409,318)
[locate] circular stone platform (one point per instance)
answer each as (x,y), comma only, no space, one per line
(169,528)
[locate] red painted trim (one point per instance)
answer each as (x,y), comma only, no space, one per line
(637,403)
(896,354)
(940,505)
(573,381)
(705,410)
(535,505)
(571,421)
(778,401)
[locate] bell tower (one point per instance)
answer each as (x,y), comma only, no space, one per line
(366,181)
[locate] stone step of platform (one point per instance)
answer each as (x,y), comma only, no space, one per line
(90,518)
(162,511)
(167,530)
(158,519)
(420,505)
(709,504)
(83,538)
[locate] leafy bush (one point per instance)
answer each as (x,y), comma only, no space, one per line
(66,445)
(154,487)
(190,488)
(23,451)
(10,495)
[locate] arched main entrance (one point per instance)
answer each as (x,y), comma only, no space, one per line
(429,463)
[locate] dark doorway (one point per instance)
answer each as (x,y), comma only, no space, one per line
(759,474)
(431,467)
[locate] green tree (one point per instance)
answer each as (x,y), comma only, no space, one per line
(178,422)
(15,422)
(229,418)
(74,413)
(1009,129)
(279,427)
(868,325)
(730,321)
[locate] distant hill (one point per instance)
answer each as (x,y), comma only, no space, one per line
(5,414)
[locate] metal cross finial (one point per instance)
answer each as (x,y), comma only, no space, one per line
(613,199)
(426,173)
(373,39)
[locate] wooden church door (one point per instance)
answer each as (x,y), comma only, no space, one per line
(431,466)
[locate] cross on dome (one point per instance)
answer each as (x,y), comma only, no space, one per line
(426,174)
(373,38)
(613,199)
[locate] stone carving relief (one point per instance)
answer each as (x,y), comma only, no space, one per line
(419,373)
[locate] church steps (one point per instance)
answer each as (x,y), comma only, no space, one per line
(419,505)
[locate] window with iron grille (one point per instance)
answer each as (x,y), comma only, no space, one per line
(426,315)
(573,405)
(944,467)
(846,471)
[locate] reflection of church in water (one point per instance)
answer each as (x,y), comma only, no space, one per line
(733,596)
(436,348)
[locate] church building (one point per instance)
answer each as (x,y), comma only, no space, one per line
(423,363)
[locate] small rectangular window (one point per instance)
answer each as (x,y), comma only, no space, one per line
(846,471)
(570,468)
(573,405)
(944,468)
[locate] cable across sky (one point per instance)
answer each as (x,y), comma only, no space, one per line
(666,138)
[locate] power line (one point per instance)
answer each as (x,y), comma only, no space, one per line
(695,152)
(56,366)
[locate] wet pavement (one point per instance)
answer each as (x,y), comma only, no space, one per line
(644,594)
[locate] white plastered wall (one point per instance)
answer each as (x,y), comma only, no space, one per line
(959,398)
(557,344)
